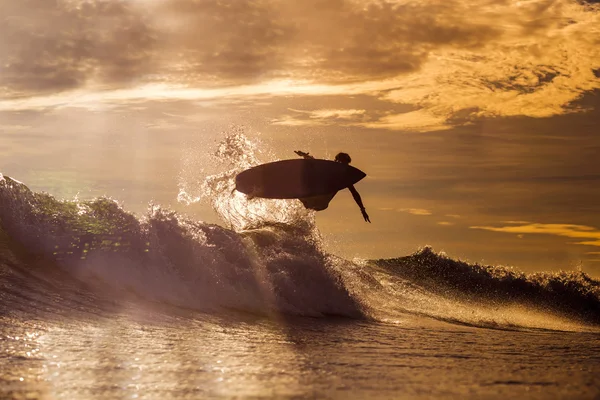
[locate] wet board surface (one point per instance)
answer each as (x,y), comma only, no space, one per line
(296,178)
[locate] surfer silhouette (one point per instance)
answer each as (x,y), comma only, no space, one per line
(321,202)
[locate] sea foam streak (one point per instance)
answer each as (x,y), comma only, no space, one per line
(268,260)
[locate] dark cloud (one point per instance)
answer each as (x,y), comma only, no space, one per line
(57,45)
(348,40)
(327,40)
(228,40)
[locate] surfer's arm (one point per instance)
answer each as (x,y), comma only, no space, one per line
(303,154)
(359,202)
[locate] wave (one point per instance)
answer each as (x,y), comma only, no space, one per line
(72,256)
(165,257)
(565,294)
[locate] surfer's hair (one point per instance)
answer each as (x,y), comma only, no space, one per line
(343,158)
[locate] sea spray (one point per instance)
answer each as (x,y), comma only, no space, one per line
(235,153)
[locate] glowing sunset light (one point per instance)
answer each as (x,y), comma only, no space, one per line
(469,109)
(353,199)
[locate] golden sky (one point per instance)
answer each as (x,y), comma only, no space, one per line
(476,121)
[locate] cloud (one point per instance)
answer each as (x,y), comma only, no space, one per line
(590,243)
(416,211)
(162,124)
(319,117)
(290,120)
(453,61)
(544,60)
(220,42)
(68,44)
(416,121)
(13,128)
(51,46)
(565,230)
(445,223)
(339,114)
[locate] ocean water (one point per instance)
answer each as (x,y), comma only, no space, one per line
(99,303)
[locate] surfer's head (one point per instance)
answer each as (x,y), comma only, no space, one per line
(343,158)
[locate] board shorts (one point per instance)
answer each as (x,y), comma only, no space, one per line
(317,203)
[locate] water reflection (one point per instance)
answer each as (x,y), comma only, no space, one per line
(126,357)
(145,354)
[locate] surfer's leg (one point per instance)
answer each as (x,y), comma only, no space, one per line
(317,203)
(311,206)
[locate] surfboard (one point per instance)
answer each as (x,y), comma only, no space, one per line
(297,178)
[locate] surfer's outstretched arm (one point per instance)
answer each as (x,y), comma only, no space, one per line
(359,202)
(303,154)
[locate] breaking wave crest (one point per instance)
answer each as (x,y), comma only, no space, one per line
(165,257)
(495,295)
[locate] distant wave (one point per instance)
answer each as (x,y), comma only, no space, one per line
(573,294)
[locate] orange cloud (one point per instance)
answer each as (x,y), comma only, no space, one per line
(319,117)
(566,230)
(416,211)
(416,121)
(590,243)
(452,61)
